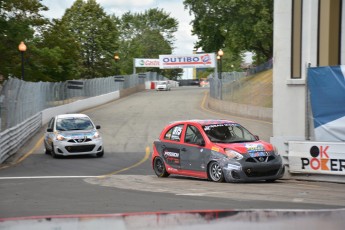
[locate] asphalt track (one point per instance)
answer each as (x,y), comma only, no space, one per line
(35,184)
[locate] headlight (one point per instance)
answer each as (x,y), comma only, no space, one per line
(59,137)
(96,135)
(232,154)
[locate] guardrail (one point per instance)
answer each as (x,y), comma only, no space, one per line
(26,106)
(14,138)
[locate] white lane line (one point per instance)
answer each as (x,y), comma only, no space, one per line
(44,177)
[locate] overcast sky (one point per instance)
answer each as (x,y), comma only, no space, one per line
(184,40)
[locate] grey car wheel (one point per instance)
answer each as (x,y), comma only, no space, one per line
(46,149)
(159,167)
(100,154)
(215,172)
(52,153)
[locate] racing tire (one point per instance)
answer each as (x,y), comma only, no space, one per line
(46,151)
(159,167)
(215,172)
(52,153)
(271,181)
(100,154)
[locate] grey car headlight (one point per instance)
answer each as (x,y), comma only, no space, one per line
(60,137)
(96,135)
(232,154)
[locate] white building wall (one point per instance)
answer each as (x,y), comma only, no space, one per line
(289,95)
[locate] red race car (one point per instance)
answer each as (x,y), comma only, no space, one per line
(217,150)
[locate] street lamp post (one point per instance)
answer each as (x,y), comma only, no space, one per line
(116,58)
(219,57)
(22,49)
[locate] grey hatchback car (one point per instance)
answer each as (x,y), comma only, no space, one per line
(73,134)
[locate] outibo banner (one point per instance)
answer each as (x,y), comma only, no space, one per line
(141,62)
(327,96)
(317,157)
(205,60)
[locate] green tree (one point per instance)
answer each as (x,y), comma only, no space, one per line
(237,25)
(19,20)
(58,54)
(146,35)
(97,34)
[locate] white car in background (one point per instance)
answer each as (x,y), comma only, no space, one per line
(163,85)
(73,134)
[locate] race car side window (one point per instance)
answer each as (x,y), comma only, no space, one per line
(193,135)
(174,134)
(51,123)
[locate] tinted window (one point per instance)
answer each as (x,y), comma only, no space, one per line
(79,123)
(51,123)
(228,133)
(174,133)
(193,135)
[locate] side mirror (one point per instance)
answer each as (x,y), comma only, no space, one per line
(49,130)
(257,137)
(98,127)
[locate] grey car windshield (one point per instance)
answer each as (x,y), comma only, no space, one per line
(68,124)
(228,133)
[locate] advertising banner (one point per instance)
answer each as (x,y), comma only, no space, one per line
(145,62)
(317,157)
(205,60)
(327,97)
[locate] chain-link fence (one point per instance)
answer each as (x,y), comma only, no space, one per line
(217,85)
(238,88)
(20,100)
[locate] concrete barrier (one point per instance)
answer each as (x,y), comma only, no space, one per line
(243,110)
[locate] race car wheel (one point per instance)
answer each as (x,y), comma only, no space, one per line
(100,154)
(215,172)
(52,152)
(159,167)
(47,151)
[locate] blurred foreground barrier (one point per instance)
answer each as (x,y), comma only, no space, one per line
(191,220)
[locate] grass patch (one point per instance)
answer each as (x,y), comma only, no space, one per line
(252,90)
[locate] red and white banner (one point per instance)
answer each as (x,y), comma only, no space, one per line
(205,60)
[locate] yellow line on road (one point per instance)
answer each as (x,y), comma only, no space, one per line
(147,155)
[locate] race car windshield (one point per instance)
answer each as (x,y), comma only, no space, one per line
(228,133)
(69,124)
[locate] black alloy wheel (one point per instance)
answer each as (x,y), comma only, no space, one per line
(159,167)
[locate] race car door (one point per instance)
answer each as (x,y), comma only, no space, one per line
(193,153)
(170,147)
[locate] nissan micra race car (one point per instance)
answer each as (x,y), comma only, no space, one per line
(217,150)
(73,134)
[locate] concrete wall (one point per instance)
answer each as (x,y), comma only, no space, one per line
(243,110)
(289,95)
(79,105)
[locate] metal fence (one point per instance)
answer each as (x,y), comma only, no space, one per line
(235,88)
(22,103)
(20,100)
(257,69)
(217,85)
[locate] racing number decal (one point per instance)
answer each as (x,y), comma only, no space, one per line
(176,134)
